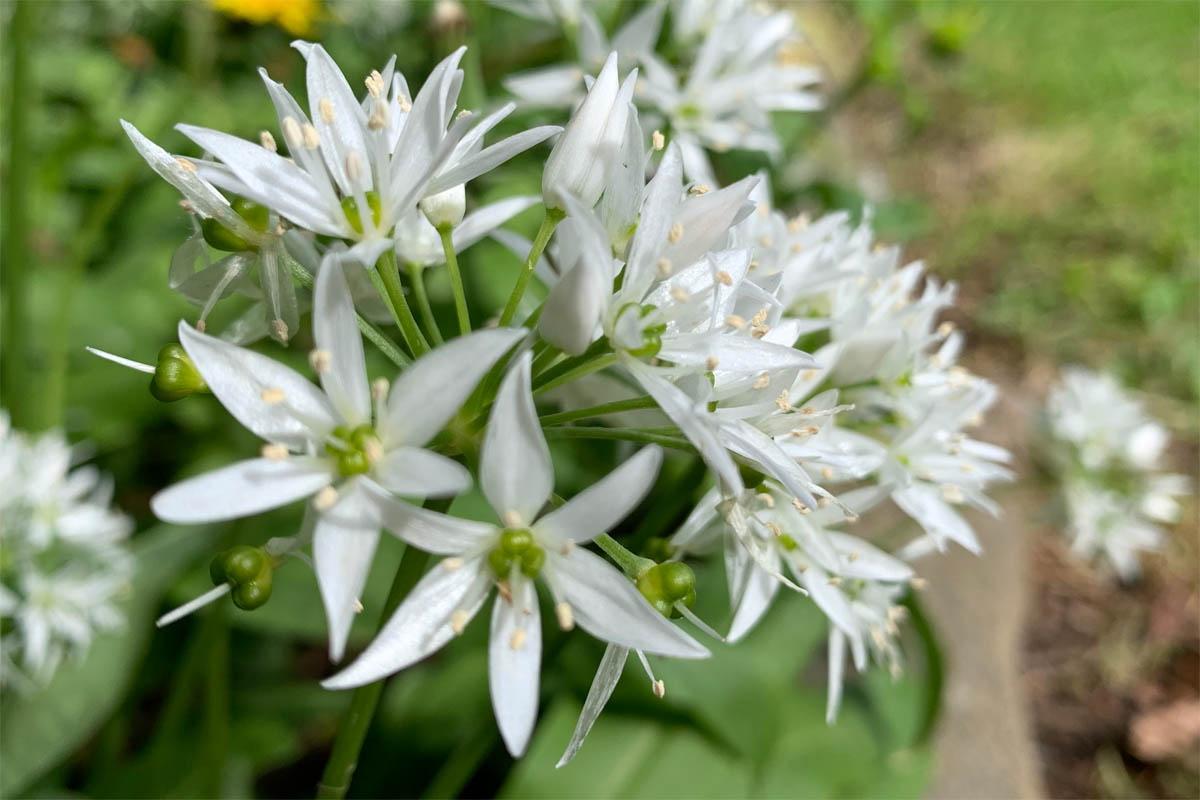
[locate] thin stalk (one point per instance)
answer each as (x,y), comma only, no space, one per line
(532,320)
(544,354)
(632,404)
(417,273)
(462,763)
(630,563)
(390,274)
(549,223)
(597,348)
(375,336)
(587,368)
(216,698)
(343,758)
(621,434)
(456,282)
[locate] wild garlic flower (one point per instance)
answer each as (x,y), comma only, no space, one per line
(517,477)
(346,445)
(1108,453)
(65,556)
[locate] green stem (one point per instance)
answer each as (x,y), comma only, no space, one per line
(586,368)
(621,434)
(343,758)
(462,763)
(549,223)
(390,275)
(456,282)
(544,354)
(375,336)
(630,563)
(216,699)
(417,273)
(632,404)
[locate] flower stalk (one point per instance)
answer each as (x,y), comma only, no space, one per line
(549,223)
(416,273)
(456,282)
(389,273)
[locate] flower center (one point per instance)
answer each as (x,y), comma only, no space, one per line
(355,450)
(354,216)
(650,335)
(517,547)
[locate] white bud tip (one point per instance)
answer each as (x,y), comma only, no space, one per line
(676,233)
(319,360)
(325,499)
(517,640)
(458,621)
(272,396)
(658,140)
(275,452)
(566,617)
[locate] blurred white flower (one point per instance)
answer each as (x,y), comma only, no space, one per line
(63,556)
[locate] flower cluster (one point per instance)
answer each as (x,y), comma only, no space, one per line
(799,362)
(63,556)
(1108,454)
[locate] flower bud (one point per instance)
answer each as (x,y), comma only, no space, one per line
(175,376)
(446,208)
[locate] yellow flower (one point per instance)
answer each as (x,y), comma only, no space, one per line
(294,16)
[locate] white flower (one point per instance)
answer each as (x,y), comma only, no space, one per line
(343,446)
(65,557)
(517,478)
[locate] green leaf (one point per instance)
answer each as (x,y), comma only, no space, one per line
(39,730)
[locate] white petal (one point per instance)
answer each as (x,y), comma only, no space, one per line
(605,503)
(608,674)
(514,665)
(515,471)
(837,669)
(760,589)
(573,308)
(658,213)
(421,625)
(238,377)
(830,599)
(482,221)
(428,530)
(936,517)
(415,472)
(240,490)
(432,390)
(607,605)
(344,542)
(491,157)
(864,560)
(344,134)
(335,329)
(546,86)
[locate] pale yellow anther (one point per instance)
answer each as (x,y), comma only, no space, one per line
(280,329)
(699,189)
(353,166)
(808,410)
(325,109)
(824,502)
(878,638)
(452,564)
(358,606)
(827,474)
(711,362)
(774,529)
(679,294)
(311,139)
(676,233)
(658,140)
(945,329)
(292,134)
(853,520)
(761,317)
(267,141)
(834,580)
(272,396)
(808,374)
(759,331)
(764,210)
(458,621)
(183,162)
(566,617)
(373,450)
(952,493)
(463,114)
(664,267)
(853,556)
(797,223)
(734,321)
(764,241)
(511,519)
(795,249)
(724,278)
(274,452)
(660,689)
(783,402)
(374,83)
(325,499)
(567,546)
(517,640)
(404,103)
(201,325)
(918,583)
(319,360)
(803,509)
(280,230)
(187,206)
(808,430)
(766,499)
(380,116)
(379,389)
(762,381)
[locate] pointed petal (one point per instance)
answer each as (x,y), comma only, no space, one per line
(421,625)
(238,377)
(240,490)
(658,213)
(414,472)
(482,221)
(837,670)
(514,665)
(432,390)
(343,132)
(344,542)
(607,605)
(573,308)
(335,329)
(759,591)
(605,503)
(428,530)
(490,157)
(607,676)
(515,471)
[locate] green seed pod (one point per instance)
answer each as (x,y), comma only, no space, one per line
(516,541)
(650,585)
(350,207)
(253,594)
(651,336)
(665,584)
(532,561)
(500,562)
(244,563)
(353,462)
(360,436)
(175,376)
(787,542)
(256,216)
(216,569)
(678,580)
(221,238)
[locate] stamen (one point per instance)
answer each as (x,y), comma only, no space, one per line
(374,83)
(699,189)
(825,502)
(201,325)
(676,233)
(379,389)
(952,493)
(827,473)
(517,640)
(380,116)
(187,165)
(566,617)
(268,141)
(679,294)
(782,401)
(512,519)
(724,278)
(664,267)
(319,360)
(660,689)
(764,241)
(358,606)
(764,210)
(762,381)
(853,556)
(760,318)
(918,583)
(179,613)
(281,330)
(711,362)
(292,134)
(567,546)
(834,580)
(452,564)
(734,321)
(759,331)
(657,140)
(312,139)
(325,499)
(325,109)
(766,499)
(808,374)
(353,166)
(373,450)
(505,591)
(187,206)
(458,621)
(272,396)
(275,452)
(124,362)
(404,103)
(803,509)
